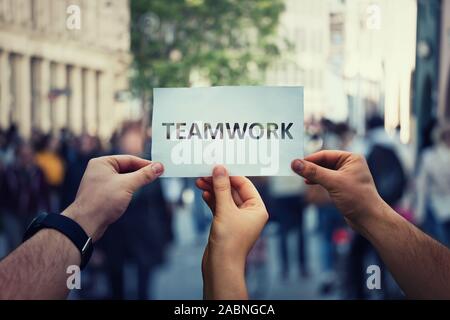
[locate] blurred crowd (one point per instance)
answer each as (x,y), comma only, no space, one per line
(43,174)
(415,184)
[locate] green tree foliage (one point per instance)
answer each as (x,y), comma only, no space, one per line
(224,42)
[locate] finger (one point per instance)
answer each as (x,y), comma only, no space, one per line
(245,188)
(236,197)
(222,186)
(126,163)
(203,185)
(314,173)
(144,175)
(206,185)
(331,159)
(207,179)
(210,200)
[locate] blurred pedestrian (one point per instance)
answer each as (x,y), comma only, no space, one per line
(201,214)
(390,180)
(8,146)
(287,208)
(27,190)
(384,160)
(433,186)
(336,136)
(49,160)
(3,197)
(77,155)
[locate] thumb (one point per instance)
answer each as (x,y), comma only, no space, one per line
(222,186)
(144,175)
(313,172)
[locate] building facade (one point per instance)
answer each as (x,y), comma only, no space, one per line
(373,53)
(63,64)
(444,64)
(426,78)
(353,57)
(304,23)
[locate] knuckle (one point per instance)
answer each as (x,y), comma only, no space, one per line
(148,175)
(312,172)
(221,187)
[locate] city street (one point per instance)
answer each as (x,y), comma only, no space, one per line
(180,277)
(338,111)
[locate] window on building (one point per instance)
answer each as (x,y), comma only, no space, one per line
(98,85)
(35,105)
(69,71)
(447,98)
(83,100)
(5,11)
(53,86)
(34,14)
(12,85)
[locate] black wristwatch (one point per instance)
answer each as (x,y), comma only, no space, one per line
(66,226)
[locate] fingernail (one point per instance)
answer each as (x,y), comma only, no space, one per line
(157,168)
(219,171)
(298,165)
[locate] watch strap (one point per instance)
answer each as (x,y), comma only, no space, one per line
(70,229)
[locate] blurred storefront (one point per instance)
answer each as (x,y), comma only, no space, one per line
(63,64)
(372,53)
(426,82)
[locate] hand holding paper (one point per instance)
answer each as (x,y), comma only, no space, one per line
(254,131)
(239,218)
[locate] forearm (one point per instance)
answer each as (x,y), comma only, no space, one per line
(420,265)
(223,278)
(37,269)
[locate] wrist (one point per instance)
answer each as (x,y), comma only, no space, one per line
(372,217)
(87,222)
(228,254)
(222,259)
(223,278)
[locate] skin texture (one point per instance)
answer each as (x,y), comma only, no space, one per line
(239,217)
(420,265)
(37,268)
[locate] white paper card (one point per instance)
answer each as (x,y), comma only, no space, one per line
(253,131)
